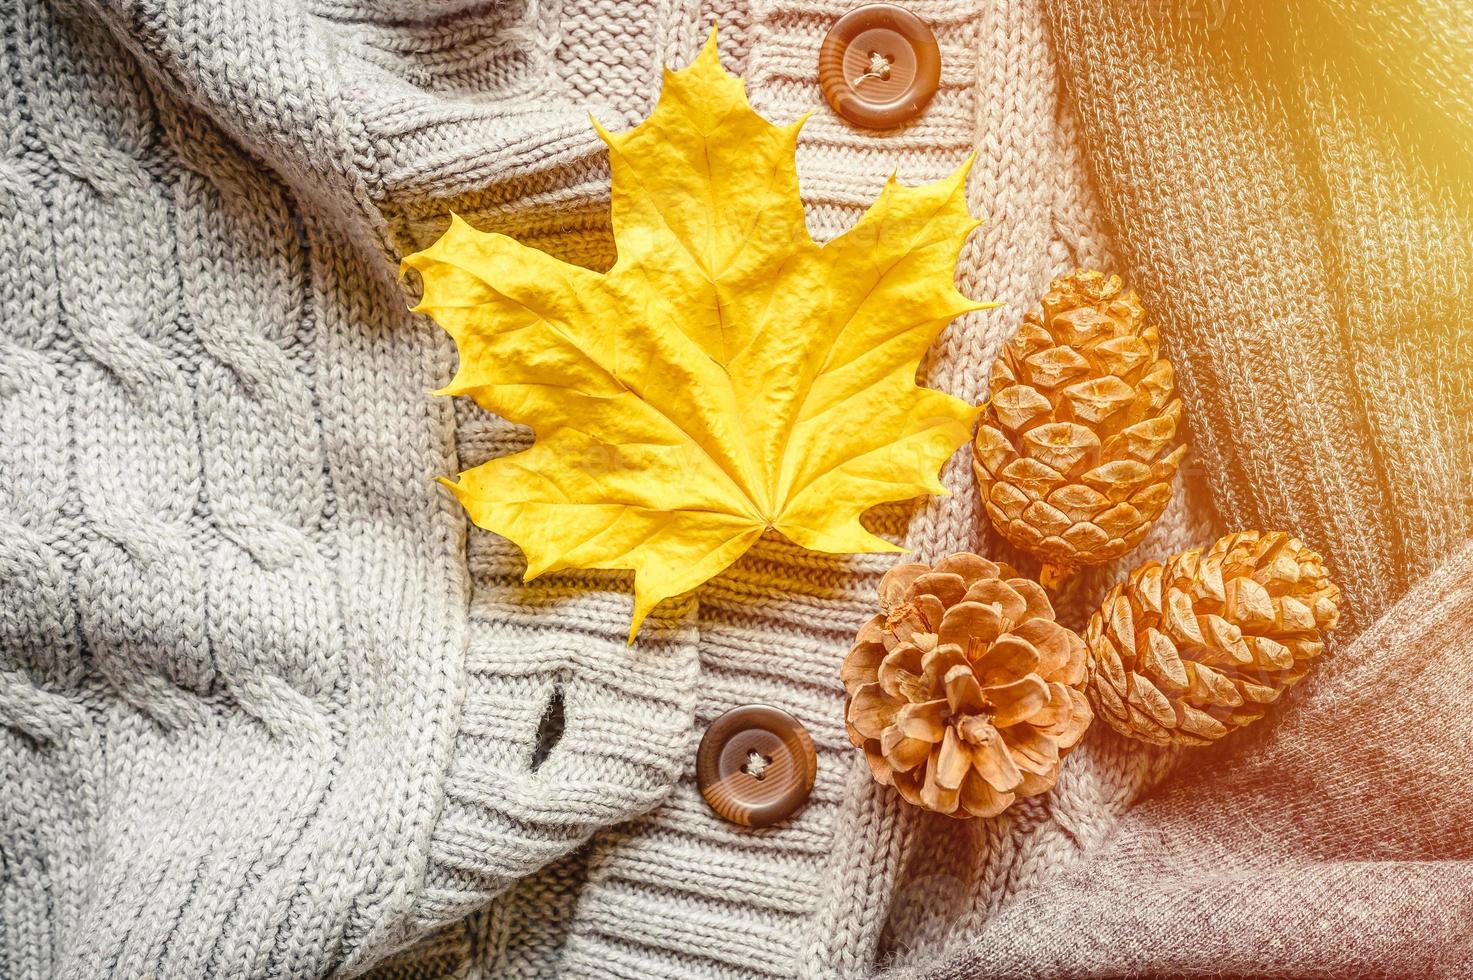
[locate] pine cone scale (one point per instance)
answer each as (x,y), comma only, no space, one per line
(902,752)
(1032,751)
(991,758)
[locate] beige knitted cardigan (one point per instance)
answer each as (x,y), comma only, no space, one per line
(268,706)
(856,877)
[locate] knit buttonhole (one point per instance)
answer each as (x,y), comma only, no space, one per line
(549,728)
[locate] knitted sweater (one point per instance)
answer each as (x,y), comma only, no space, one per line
(1292,185)
(268,707)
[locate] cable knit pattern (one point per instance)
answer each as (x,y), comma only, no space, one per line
(196,780)
(268,706)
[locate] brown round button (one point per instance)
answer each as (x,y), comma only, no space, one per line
(756,765)
(879,66)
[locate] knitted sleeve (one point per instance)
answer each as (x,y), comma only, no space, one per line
(1285,190)
(266,706)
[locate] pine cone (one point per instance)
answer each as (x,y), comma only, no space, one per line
(1076,456)
(1187,652)
(964,693)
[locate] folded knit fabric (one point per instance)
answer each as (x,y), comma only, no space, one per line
(1330,841)
(267,708)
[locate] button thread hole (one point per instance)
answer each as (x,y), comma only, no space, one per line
(879,68)
(756,765)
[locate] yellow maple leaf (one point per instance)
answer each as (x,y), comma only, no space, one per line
(726,376)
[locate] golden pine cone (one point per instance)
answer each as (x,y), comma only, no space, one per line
(964,693)
(1186,652)
(1076,455)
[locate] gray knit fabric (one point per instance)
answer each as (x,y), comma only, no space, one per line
(268,706)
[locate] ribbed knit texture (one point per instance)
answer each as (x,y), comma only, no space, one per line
(1292,192)
(269,708)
